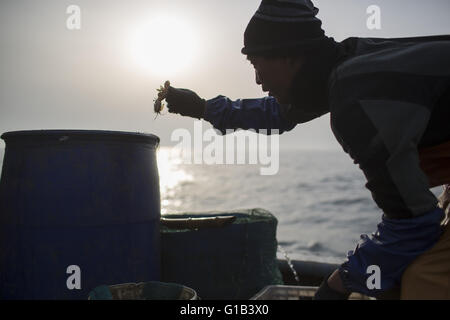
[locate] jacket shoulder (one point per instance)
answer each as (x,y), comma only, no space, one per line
(422,56)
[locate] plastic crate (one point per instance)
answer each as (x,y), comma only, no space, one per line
(280,292)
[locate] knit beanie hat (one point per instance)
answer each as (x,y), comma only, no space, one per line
(283,26)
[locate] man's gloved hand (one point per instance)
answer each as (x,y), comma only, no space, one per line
(185,102)
(325,292)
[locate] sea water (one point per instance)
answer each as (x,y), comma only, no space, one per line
(317,196)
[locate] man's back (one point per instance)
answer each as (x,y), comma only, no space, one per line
(427,56)
(414,70)
(388,98)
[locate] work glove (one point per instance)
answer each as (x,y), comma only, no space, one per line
(326,293)
(185,102)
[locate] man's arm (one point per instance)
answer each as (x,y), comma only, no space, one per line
(223,113)
(264,113)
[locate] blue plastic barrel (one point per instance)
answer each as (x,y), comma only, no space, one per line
(78,209)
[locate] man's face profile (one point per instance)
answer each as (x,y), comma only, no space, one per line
(276,75)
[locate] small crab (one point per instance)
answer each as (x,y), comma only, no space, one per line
(162,94)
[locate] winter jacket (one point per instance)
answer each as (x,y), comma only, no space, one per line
(387,98)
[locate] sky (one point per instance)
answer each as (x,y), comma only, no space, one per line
(104,75)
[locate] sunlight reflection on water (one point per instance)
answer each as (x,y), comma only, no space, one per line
(171,175)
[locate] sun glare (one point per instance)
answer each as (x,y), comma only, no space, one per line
(165,45)
(171,176)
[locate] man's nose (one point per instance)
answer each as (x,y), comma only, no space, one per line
(258,80)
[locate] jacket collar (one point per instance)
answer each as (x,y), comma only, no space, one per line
(310,87)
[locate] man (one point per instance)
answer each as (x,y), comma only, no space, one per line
(388,99)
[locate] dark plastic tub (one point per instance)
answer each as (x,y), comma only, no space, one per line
(152,290)
(86,199)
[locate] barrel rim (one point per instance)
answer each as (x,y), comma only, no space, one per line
(76,133)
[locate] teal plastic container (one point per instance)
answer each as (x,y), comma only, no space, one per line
(221,260)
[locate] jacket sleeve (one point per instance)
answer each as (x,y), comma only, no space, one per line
(264,115)
(379,260)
